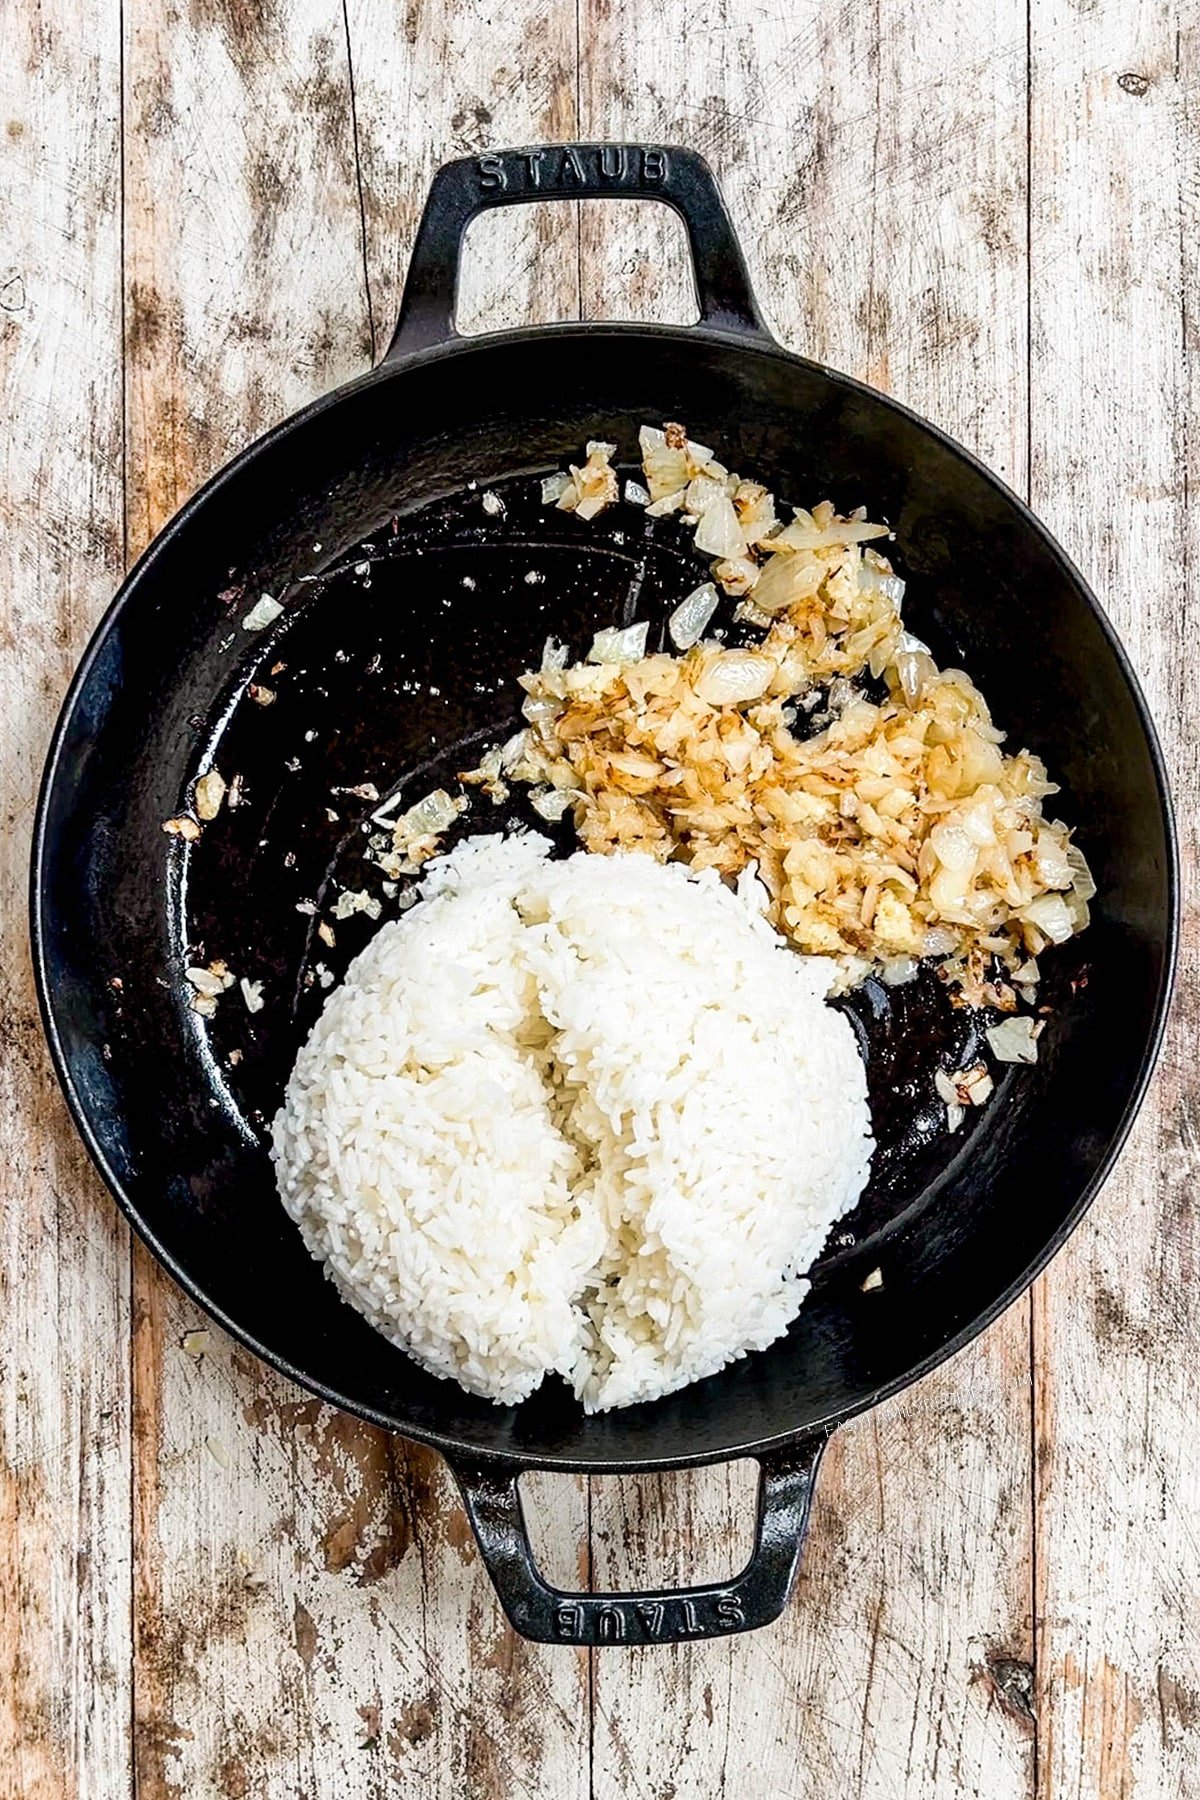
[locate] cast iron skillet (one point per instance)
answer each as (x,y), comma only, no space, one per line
(408,609)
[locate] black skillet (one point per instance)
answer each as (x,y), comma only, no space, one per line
(410,604)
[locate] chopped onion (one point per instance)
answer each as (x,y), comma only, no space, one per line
(1013,1040)
(965,1087)
(592,501)
(434,812)
(805,534)
(1050,915)
(252,995)
(667,503)
(937,845)
(953,848)
(786,579)
(702,492)
(892,588)
(210,792)
(955,1114)
(429,816)
(617,646)
(514,751)
(734,677)
(349,902)
(948,893)
(975,1085)
(554,654)
(737,575)
(946,1089)
(666,466)
(978,825)
(1050,859)
(205,982)
(719,533)
(536,709)
(906,641)
(1082,883)
(748,613)
(687,624)
(755,510)
(552,803)
(636,494)
(913,664)
(554,487)
(263,614)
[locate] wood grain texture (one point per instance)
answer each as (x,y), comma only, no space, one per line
(432,82)
(64,1302)
(1116,136)
(311,1617)
(874,163)
(211,1586)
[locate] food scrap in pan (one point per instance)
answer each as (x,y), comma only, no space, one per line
(210,795)
(798,774)
(416,835)
(587,489)
(208,983)
(900,830)
(827,752)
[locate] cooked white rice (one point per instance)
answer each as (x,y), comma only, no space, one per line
(590,1117)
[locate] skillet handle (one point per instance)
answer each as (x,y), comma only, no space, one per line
(461,190)
(661,1616)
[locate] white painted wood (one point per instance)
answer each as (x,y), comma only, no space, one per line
(64,1316)
(874,165)
(311,1615)
(435,82)
(1114,391)
(245,284)
(311,1618)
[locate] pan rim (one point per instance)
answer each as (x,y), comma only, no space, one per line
(744,342)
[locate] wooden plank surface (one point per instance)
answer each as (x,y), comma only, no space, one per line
(311,1617)
(244,1594)
(1116,138)
(874,162)
(64,1300)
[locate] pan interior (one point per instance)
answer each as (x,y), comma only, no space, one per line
(364,711)
(411,608)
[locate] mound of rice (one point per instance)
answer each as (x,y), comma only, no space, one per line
(589,1117)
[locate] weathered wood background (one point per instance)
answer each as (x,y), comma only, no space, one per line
(210,1585)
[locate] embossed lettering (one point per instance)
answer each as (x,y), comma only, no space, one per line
(532,161)
(610,1625)
(654,165)
(571,166)
(729,1611)
(613,162)
(491,172)
(566,1621)
(690,1621)
(651,1615)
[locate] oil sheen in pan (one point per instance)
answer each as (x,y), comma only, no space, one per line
(364,701)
